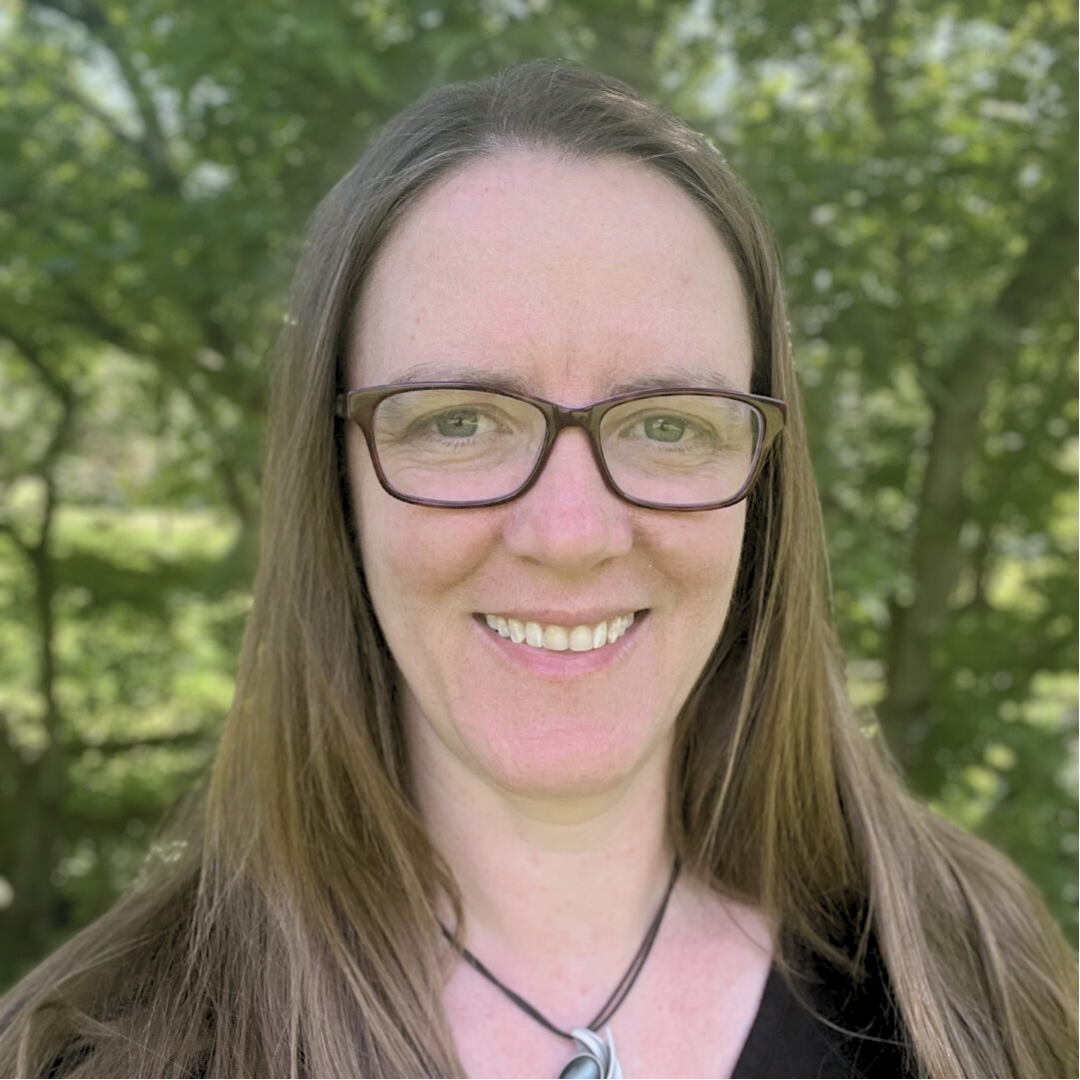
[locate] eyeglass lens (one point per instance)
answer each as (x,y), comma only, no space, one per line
(468,445)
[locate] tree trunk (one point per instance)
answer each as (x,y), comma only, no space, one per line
(958,403)
(936,555)
(35,908)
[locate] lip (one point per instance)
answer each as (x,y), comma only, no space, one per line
(551,617)
(562,665)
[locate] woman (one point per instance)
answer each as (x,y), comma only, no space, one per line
(538,682)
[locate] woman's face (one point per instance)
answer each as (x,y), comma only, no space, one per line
(573,280)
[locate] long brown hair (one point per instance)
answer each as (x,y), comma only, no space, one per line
(286,925)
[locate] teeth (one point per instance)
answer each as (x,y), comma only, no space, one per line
(580,638)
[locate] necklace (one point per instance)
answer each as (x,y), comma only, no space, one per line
(594,1057)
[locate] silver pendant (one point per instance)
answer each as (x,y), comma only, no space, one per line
(595,1058)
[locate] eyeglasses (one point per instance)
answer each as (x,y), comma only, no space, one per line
(455,444)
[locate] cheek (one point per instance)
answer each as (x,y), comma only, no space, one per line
(700,559)
(412,555)
(699,554)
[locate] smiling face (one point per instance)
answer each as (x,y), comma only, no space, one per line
(570,280)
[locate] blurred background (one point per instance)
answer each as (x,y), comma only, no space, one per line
(158,162)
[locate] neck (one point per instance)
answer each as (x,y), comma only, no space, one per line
(538,876)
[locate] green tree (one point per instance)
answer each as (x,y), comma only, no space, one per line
(919,164)
(157,164)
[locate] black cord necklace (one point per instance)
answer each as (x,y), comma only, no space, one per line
(595,1057)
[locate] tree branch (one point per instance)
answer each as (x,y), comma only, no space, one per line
(7,529)
(122,746)
(32,355)
(117,335)
(152,144)
(877,30)
(91,107)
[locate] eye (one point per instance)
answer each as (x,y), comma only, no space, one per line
(664,428)
(458,424)
(649,429)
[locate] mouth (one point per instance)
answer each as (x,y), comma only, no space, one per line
(558,638)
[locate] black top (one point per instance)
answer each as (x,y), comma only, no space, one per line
(824,1027)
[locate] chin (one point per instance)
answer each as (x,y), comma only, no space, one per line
(579,764)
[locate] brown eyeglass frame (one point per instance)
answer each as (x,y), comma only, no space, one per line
(359,406)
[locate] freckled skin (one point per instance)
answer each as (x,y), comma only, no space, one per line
(577,276)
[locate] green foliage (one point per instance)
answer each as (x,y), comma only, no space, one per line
(919,166)
(157,164)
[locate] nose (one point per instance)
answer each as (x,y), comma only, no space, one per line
(569,520)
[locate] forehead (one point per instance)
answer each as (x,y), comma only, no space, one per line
(568,279)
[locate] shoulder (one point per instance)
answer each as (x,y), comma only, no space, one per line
(818,1020)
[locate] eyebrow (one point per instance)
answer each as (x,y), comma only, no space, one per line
(670,377)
